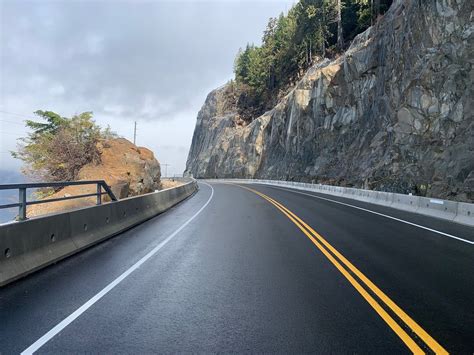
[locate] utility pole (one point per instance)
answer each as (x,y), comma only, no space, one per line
(340,40)
(166,168)
(135,134)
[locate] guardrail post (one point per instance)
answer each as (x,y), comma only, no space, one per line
(22,201)
(99,194)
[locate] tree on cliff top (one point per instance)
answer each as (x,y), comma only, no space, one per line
(57,148)
(311,29)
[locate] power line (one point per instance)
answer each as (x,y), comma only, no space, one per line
(7,121)
(12,134)
(5,129)
(15,114)
(166,168)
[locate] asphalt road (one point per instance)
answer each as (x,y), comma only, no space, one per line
(232,270)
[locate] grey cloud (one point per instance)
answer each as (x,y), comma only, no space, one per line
(148,60)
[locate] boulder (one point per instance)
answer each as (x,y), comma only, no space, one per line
(129,171)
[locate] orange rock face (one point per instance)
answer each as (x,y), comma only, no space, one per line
(128,169)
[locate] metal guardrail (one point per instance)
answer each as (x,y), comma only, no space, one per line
(33,244)
(22,202)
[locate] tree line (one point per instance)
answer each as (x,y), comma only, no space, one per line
(312,29)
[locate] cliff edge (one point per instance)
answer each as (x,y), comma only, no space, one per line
(393,113)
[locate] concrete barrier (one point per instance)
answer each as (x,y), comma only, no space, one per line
(35,243)
(405,202)
(458,212)
(465,213)
(438,208)
(384,198)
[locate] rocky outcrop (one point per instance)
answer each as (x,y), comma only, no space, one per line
(393,113)
(128,169)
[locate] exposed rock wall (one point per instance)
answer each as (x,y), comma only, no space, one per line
(393,113)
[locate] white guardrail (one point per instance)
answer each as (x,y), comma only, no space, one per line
(458,212)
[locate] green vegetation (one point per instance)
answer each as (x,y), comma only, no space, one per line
(56,149)
(311,30)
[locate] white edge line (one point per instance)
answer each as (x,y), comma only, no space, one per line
(69,319)
(377,213)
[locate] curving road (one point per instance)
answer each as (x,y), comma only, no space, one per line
(254,268)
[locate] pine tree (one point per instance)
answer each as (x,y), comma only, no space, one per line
(340,39)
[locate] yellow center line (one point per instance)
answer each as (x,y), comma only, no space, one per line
(317,240)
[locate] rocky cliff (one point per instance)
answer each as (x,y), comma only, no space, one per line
(128,169)
(393,113)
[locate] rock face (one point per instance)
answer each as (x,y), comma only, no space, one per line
(128,169)
(394,113)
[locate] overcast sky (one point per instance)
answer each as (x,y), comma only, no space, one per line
(149,61)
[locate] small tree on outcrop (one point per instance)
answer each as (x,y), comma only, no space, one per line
(56,149)
(369,10)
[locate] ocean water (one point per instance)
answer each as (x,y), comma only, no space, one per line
(9,196)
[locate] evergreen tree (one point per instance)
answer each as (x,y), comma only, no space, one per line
(292,41)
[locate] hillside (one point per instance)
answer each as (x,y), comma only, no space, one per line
(128,169)
(392,113)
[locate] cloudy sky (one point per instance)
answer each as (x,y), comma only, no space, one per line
(149,61)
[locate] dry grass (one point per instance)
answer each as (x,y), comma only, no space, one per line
(169,183)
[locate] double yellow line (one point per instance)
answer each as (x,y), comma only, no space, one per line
(338,260)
